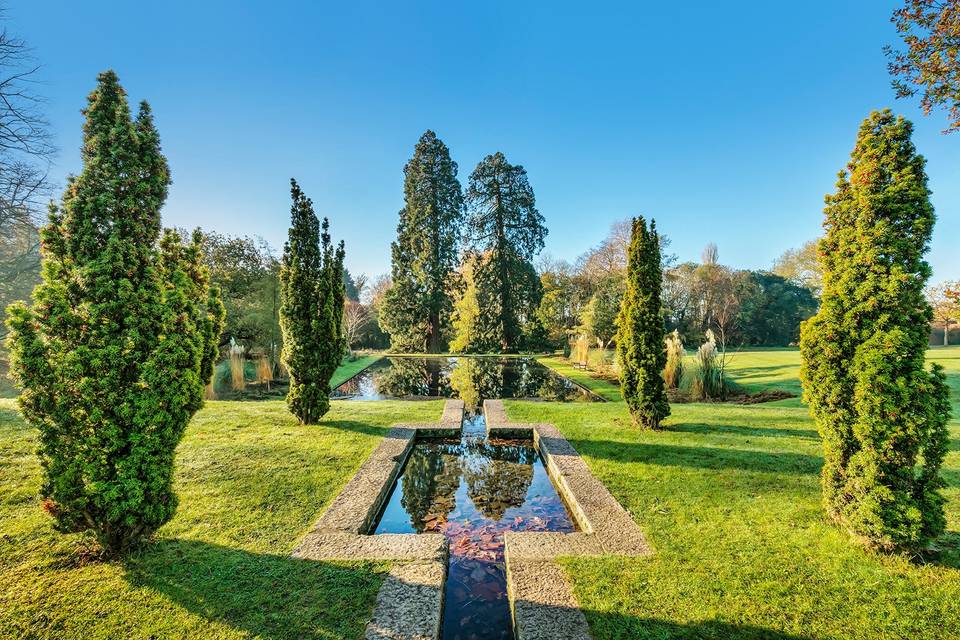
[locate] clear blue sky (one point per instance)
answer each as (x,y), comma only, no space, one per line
(727,122)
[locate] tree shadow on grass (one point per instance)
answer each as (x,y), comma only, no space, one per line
(713,458)
(740,430)
(355,426)
(605,624)
(635,628)
(269,596)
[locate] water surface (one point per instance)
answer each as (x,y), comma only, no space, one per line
(472,490)
(471,379)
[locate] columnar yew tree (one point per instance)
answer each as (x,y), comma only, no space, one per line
(881,414)
(641,349)
(121,338)
(311,309)
(506,228)
(416,310)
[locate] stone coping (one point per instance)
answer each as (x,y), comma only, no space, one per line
(410,602)
(541,599)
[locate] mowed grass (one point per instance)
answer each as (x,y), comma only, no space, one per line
(251,481)
(603,388)
(350,368)
(729,497)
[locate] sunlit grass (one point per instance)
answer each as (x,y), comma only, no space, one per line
(251,481)
(729,497)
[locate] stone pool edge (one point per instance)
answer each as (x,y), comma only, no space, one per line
(410,601)
(409,605)
(541,598)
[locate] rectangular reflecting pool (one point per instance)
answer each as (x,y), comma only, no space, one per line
(472,490)
(472,379)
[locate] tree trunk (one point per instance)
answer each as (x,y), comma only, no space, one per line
(946,333)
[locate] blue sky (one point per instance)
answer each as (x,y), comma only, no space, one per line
(725,123)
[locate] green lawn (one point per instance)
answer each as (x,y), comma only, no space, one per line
(729,496)
(251,481)
(603,388)
(350,368)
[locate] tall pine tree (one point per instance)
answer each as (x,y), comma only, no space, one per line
(641,346)
(881,414)
(121,338)
(311,309)
(416,311)
(508,231)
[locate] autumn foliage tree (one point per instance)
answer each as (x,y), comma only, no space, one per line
(121,338)
(881,414)
(311,309)
(641,349)
(930,63)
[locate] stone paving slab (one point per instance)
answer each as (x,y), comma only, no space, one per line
(409,603)
(384,546)
(542,602)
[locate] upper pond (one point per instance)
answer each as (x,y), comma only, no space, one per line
(472,379)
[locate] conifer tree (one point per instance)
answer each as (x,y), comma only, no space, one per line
(881,414)
(641,349)
(417,310)
(311,309)
(508,230)
(113,355)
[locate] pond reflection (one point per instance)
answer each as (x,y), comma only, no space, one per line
(472,490)
(472,379)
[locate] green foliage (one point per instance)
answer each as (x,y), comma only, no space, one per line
(640,336)
(311,309)
(466,311)
(771,309)
(881,415)
(560,306)
(599,318)
(507,231)
(416,310)
(120,341)
(248,275)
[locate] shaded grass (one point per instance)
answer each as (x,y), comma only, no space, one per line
(729,497)
(251,481)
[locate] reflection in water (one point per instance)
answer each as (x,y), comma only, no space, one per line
(472,379)
(473,490)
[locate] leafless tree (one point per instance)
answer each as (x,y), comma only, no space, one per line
(610,256)
(355,318)
(710,254)
(26,151)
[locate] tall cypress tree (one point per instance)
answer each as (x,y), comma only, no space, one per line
(641,347)
(114,353)
(416,310)
(311,309)
(506,227)
(882,415)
